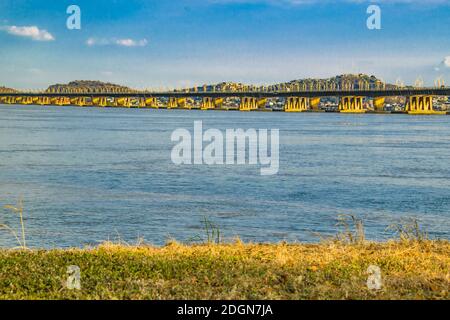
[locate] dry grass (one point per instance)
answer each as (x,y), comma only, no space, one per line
(332,270)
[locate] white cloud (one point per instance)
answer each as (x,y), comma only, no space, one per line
(446,62)
(90,42)
(32,32)
(97,42)
(118,42)
(132,43)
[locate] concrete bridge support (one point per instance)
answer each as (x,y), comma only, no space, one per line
(43,101)
(172,104)
(84,102)
(180,103)
(314,104)
(186,103)
(252,104)
(378,104)
(152,103)
(141,103)
(208,104)
(27,100)
(80,101)
(211,103)
(103,101)
(60,101)
(351,104)
(421,105)
(296,104)
(248,104)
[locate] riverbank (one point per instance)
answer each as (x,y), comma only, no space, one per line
(409,270)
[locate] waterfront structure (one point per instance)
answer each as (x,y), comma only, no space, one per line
(297,99)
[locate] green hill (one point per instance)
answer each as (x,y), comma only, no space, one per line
(88,86)
(7,90)
(338,82)
(342,81)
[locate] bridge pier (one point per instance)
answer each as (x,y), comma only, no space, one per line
(296,104)
(209,103)
(180,103)
(42,101)
(103,101)
(172,104)
(60,101)
(248,104)
(252,104)
(7,100)
(314,104)
(186,103)
(378,104)
(84,102)
(79,101)
(351,104)
(152,102)
(141,103)
(421,105)
(27,100)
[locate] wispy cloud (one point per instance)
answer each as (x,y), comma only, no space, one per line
(132,43)
(118,42)
(32,32)
(446,62)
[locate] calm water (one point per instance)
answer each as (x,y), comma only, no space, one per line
(89,175)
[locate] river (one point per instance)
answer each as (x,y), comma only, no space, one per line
(88,175)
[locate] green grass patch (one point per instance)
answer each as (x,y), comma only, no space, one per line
(331,270)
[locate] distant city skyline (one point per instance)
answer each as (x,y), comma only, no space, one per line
(181,43)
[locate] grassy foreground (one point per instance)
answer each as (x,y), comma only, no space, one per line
(410,270)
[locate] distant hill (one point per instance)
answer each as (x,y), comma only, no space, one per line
(342,81)
(7,90)
(338,82)
(357,81)
(88,86)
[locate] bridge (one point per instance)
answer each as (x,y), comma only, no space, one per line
(418,100)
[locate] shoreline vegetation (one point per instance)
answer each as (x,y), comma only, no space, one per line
(409,269)
(346,266)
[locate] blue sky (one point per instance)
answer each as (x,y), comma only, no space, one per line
(181,43)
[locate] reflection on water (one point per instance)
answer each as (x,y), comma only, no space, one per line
(90,174)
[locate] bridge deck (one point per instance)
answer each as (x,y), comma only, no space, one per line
(256,94)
